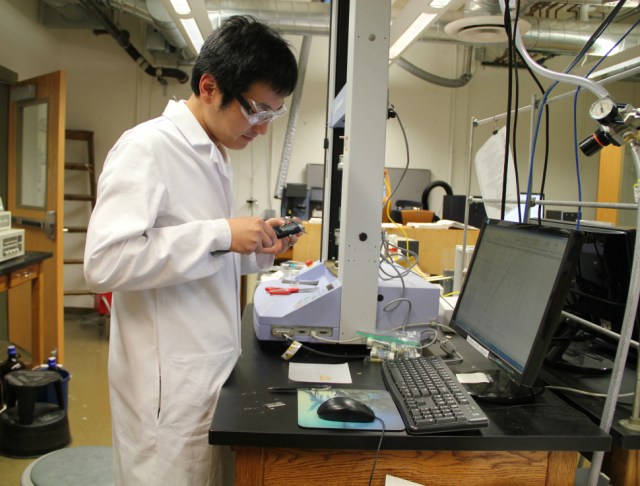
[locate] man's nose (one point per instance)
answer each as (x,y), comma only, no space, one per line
(261,128)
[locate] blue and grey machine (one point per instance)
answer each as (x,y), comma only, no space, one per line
(314,316)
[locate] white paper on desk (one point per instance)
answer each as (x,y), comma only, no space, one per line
(489,168)
(320,373)
(477,377)
(394,481)
(443,223)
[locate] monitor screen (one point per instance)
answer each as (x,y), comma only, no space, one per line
(535,212)
(511,300)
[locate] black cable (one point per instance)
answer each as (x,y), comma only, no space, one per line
(394,114)
(375,461)
(505,167)
(515,115)
(329,355)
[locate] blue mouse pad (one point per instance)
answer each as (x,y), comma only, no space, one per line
(380,401)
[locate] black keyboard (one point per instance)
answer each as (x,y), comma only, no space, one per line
(429,397)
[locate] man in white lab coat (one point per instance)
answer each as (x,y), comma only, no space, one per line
(163,238)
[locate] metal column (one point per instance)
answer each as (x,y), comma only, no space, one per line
(363,159)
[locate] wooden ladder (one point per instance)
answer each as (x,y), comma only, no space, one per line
(87,166)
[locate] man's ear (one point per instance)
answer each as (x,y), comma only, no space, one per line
(208,87)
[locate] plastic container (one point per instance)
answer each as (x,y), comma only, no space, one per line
(291,272)
(48,394)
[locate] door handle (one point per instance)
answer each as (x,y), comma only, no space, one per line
(48,225)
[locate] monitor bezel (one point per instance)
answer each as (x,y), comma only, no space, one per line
(553,309)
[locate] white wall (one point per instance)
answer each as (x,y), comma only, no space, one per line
(108,93)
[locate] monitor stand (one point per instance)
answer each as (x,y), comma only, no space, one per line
(503,390)
(579,356)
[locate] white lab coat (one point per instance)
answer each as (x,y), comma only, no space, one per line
(163,197)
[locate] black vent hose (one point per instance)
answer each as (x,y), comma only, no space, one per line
(123,39)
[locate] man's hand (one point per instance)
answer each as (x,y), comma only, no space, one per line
(283,244)
(251,234)
(254,235)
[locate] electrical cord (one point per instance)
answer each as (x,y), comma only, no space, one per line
(386,245)
(392,113)
(585,392)
(375,461)
(424,343)
(406,270)
(395,303)
(322,353)
(505,166)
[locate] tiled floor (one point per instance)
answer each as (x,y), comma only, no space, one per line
(86,349)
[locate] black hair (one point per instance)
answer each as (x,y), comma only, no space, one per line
(241,52)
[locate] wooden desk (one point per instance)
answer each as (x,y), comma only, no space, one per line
(524,445)
(28,268)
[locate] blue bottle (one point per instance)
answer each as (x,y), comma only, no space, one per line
(12,363)
(52,363)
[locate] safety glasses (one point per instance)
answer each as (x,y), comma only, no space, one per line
(256,114)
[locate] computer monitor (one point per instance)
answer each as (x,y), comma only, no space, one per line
(510,303)
(598,294)
(535,211)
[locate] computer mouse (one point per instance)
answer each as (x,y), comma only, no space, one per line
(345,409)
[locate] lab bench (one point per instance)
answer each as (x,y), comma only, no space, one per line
(524,444)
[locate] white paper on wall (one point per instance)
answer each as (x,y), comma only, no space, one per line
(489,169)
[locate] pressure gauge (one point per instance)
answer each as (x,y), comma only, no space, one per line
(604,110)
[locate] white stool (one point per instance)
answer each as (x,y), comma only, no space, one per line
(74,466)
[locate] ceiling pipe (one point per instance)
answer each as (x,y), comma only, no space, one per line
(438,80)
(549,36)
(122,37)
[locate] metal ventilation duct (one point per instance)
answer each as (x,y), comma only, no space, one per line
(312,18)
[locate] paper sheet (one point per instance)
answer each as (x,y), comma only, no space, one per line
(489,168)
(477,377)
(395,481)
(320,373)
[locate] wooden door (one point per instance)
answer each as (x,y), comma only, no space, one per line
(37,111)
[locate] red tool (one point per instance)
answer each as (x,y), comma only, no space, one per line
(286,290)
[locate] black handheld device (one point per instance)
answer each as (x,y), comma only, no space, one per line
(288,229)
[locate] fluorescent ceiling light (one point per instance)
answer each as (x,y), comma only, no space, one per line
(191,19)
(409,35)
(199,11)
(181,7)
(439,3)
(193,32)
